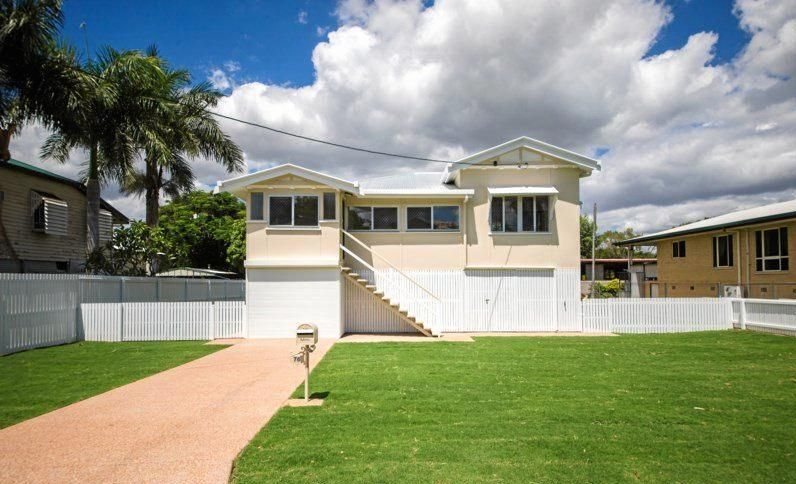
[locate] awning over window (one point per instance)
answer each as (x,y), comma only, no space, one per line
(523,191)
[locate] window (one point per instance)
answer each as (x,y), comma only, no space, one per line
(439,218)
(722,251)
(520,214)
(329,206)
(293,211)
(49,213)
(678,249)
(256,206)
(372,218)
(771,250)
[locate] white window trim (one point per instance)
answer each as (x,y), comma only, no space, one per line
(550,202)
(432,229)
(372,228)
(292,225)
(249,218)
(765,257)
(321,217)
(716,248)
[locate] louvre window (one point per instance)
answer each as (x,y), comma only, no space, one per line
(329,206)
(293,211)
(372,218)
(520,214)
(440,218)
(49,213)
(771,250)
(722,251)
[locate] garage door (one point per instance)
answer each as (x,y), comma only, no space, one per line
(278,299)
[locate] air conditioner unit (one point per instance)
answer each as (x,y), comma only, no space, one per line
(733,291)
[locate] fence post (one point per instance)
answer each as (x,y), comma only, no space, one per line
(121,321)
(742,314)
(186,290)
(213,321)
(157,290)
(121,290)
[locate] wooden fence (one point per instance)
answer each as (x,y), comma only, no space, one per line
(166,321)
(766,315)
(655,315)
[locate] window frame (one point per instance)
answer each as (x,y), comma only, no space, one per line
(678,254)
(263,208)
(520,212)
(293,225)
(432,207)
(372,219)
(730,251)
(760,246)
(322,214)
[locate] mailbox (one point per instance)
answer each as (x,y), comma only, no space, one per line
(306,334)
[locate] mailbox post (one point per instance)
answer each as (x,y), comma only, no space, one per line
(306,339)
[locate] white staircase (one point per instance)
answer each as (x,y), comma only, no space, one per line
(412,302)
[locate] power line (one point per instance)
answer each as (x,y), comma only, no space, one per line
(325,142)
(284,132)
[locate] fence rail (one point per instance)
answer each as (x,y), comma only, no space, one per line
(770,316)
(45,309)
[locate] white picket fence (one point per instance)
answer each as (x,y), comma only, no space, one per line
(766,315)
(669,315)
(163,321)
(44,309)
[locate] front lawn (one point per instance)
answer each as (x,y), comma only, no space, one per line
(699,407)
(38,381)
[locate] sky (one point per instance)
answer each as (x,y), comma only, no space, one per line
(689,105)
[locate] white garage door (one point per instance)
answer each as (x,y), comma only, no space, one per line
(278,299)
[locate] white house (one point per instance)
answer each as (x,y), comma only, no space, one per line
(490,243)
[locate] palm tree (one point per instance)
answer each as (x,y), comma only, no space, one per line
(116,102)
(36,76)
(181,130)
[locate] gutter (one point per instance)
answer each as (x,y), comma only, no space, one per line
(710,228)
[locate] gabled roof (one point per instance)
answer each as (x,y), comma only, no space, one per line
(584,162)
(766,213)
(238,183)
(17,165)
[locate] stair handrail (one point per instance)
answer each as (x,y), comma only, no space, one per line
(358,258)
(399,271)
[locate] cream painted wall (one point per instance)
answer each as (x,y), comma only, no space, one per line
(444,250)
(268,243)
(472,246)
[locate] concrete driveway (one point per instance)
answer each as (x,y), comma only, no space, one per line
(186,424)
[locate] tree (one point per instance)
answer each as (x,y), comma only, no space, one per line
(37,78)
(586,234)
(182,129)
(204,230)
(128,253)
(116,101)
(609,250)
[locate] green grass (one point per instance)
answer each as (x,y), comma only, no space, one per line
(38,381)
(700,407)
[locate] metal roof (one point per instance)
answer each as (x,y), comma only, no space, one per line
(766,213)
(420,184)
(42,173)
(196,272)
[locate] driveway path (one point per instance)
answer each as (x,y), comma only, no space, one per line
(186,424)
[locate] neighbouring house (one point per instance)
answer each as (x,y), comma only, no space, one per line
(606,269)
(198,273)
(745,252)
(489,243)
(43,220)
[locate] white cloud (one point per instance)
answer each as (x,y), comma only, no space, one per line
(219,79)
(231,66)
(302,17)
(682,138)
